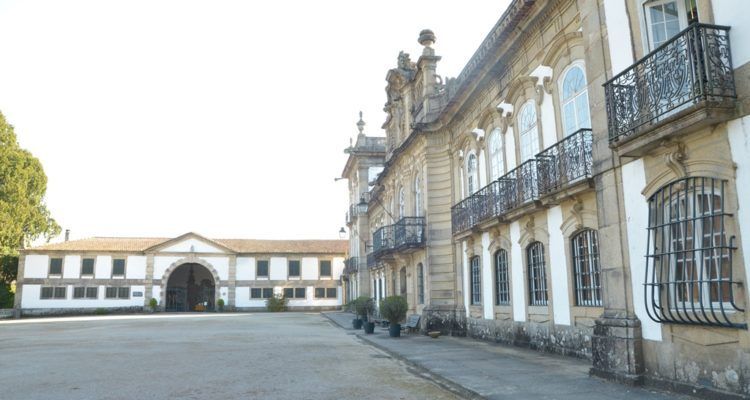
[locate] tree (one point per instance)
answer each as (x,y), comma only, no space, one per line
(23,214)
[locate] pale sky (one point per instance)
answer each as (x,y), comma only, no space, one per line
(227,118)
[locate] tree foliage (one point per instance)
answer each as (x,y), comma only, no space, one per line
(24,217)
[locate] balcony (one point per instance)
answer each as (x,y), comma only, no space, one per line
(561,166)
(406,234)
(685,83)
(354,264)
(371,261)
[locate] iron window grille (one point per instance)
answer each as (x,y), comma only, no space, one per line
(537,276)
(585,248)
(476,284)
(87,266)
(55,266)
(420,283)
(502,283)
(689,257)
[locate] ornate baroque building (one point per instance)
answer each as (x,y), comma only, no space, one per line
(576,189)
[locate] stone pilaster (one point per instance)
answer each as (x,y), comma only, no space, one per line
(232,281)
(149,280)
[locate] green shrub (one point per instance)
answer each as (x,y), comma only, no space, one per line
(394,308)
(220,304)
(364,306)
(153,303)
(277,303)
(101,311)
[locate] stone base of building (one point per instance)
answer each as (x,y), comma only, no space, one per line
(50,312)
(617,349)
(289,308)
(449,320)
(564,340)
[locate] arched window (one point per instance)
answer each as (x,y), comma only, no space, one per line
(420,283)
(575,101)
(401,203)
(529,134)
(402,280)
(417,196)
(472,180)
(502,283)
(537,276)
(476,284)
(689,261)
(497,161)
(586,268)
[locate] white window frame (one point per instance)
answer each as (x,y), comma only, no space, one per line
(496,154)
(472,178)
(572,100)
(647,5)
(528,134)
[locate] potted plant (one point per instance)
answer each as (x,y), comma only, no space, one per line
(153,303)
(363,307)
(394,308)
(368,324)
(220,304)
(356,322)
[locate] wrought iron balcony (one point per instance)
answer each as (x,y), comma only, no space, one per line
(382,240)
(521,185)
(565,163)
(372,262)
(408,233)
(692,68)
(354,264)
(461,215)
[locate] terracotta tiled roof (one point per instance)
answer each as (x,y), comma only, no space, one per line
(238,245)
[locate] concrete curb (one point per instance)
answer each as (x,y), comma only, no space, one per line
(417,368)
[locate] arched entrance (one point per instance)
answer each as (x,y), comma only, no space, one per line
(191,287)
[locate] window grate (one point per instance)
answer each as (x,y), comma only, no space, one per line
(476,285)
(502,283)
(689,276)
(587,269)
(420,283)
(537,277)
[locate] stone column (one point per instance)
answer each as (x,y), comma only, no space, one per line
(19,286)
(149,293)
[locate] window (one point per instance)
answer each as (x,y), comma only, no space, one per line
(537,278)
(79,292)
(326,293)
(689,261)
(497,161)
(294,293)
(401,203)
(261,269)
(92,292)
(118,267)
(52,292)
(402,280)
(476,284)
(471,174)
(586,268)
(575,101)
(664,19)
(529,135)
(294,268)
(82,292)
(502,283)
(420,283)
(261,293)
(325,268)
(117,292)
(87,266)
(332,293)
(55,266)
(417,196)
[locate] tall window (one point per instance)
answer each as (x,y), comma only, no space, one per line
(55,266)
(537,276)
(529,135)
(502,283)
(417,196)
(575,101)
(87,266)
(665,18)
(420,283)
(261,269)
(293,268)
(402,280)
(471,174)
(689,270)
(586,268)
(401,203)
(118,267)
(476,284)
(497,161)
(325,268)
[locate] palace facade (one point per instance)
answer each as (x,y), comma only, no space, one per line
(186,273)
(580,188)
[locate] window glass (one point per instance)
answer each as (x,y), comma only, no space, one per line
(300,293)
(59,292)
(320,292)
(92,292)
(417,196)
(471,174)
(46,293)
(289,293)
(79,292)
(529,134)
(476,285)
(420,283)
(502,281)
(294,268)
(87,266)
(325,268)
(110,292)
(586,268)
(123,292)
(331,293)
(262,268)
(497,167)
(118,267)
(255,293)
(401,203)
(267,293)
(55,266)
(536,274)
(575,101)
(664,22)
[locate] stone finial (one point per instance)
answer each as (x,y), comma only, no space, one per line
(426,38)
(361,124)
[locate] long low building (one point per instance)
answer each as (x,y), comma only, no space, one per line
(186,273)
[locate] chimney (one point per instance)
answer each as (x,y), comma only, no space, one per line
(67,235)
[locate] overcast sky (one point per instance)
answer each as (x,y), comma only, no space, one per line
(227,118)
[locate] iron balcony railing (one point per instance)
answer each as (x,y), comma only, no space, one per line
(695,66)
(559,166)
(372,262)
(354,264)
(566,162)
(408,232)
(382,239)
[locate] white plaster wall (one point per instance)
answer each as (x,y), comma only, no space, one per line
(136,267)
(558,267)
(278,268)
(103,267)
(36,266)
(242,298)
(199,246)
(30,299)
(636,216)
(220,264)
(71,266)
(224,294)
(156,294)
(161,263)
(549,128)
(337,267)
(488,300)
(739,141)
(728,12)
(245,268)
(309,268)
(516,273)
(465,273)
(618,29)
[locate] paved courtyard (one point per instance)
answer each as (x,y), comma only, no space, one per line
(196,356)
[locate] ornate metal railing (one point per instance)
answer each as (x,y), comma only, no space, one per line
(566,162)
(461,214)
(354,264)
(409,232)
(382,240)
(372,262)
(694,66)
(521,184)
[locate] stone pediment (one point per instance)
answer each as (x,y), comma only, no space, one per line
(190,243)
